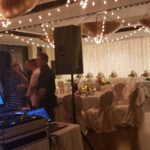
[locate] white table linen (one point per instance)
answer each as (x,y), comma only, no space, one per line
(70,137)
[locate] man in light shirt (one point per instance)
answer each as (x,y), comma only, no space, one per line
(31,93)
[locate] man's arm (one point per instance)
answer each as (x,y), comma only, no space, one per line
(40,95)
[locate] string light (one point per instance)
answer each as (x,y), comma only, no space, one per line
(112,13)
(118,17)
(6,23)
(28,41)
(30,20)
(127,35)
(49,14)
(84,3)
(93,3)
(40,17)
(105,2)
(20,22)
(84,6)
(99,39)
(58,9)
(46,35)
(67,5)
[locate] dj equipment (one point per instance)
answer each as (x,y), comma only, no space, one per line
(3,107)
(52,126)
(19,129)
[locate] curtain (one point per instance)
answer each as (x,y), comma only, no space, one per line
(120,56)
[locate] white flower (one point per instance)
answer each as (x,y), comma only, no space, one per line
(114,74)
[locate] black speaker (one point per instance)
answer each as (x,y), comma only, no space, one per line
(68,50)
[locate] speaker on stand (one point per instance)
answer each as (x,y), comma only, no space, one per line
(69,59)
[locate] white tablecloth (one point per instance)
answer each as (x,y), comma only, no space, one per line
(145,89)
(90,101)
(42,144)
(70,137)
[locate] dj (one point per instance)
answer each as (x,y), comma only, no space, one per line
(46,85)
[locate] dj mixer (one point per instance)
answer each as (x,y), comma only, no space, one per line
(17,129)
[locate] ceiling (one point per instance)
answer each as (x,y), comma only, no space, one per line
(55,13)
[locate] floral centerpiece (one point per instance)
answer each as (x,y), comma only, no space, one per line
(146,74)
(102,81)
(100,75)
(113,75)
(79,76)
(86,90)
(133,74)
(89,75)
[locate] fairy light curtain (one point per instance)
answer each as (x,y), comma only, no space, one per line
(120,56)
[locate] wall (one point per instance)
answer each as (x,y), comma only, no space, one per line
(120,56)
(19,53)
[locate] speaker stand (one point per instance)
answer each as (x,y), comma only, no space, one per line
(74,112)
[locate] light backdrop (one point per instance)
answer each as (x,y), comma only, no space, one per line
(120,56)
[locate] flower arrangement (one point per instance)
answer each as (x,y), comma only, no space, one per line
(85,88)
(79,76)
(146,74)
(89,75)
(102,81)
(101,75)
(113,75)
(133,74)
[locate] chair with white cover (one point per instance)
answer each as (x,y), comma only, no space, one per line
(129,113)
(67,87)
(118,92)
(100,119)
(105,88)
(115,81)
(61,87)
(79,114)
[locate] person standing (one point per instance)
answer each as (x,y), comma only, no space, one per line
(31,93)
(46,85)
(23,82)
(9,80)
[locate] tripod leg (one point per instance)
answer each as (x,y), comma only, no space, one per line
(86,140)
(74,112)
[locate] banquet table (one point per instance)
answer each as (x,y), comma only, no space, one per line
(144,88)
(90,100)
(93,100)
(143,84)
(70,137)
(59,110)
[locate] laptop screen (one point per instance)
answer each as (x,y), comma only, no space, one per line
(39,112)
(1,100)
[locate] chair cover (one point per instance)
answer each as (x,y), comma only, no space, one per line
(118,92)
(115,81)
(100,120)
(79,113)
(131,113)
(67,87)
(61,87)
(106,88)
